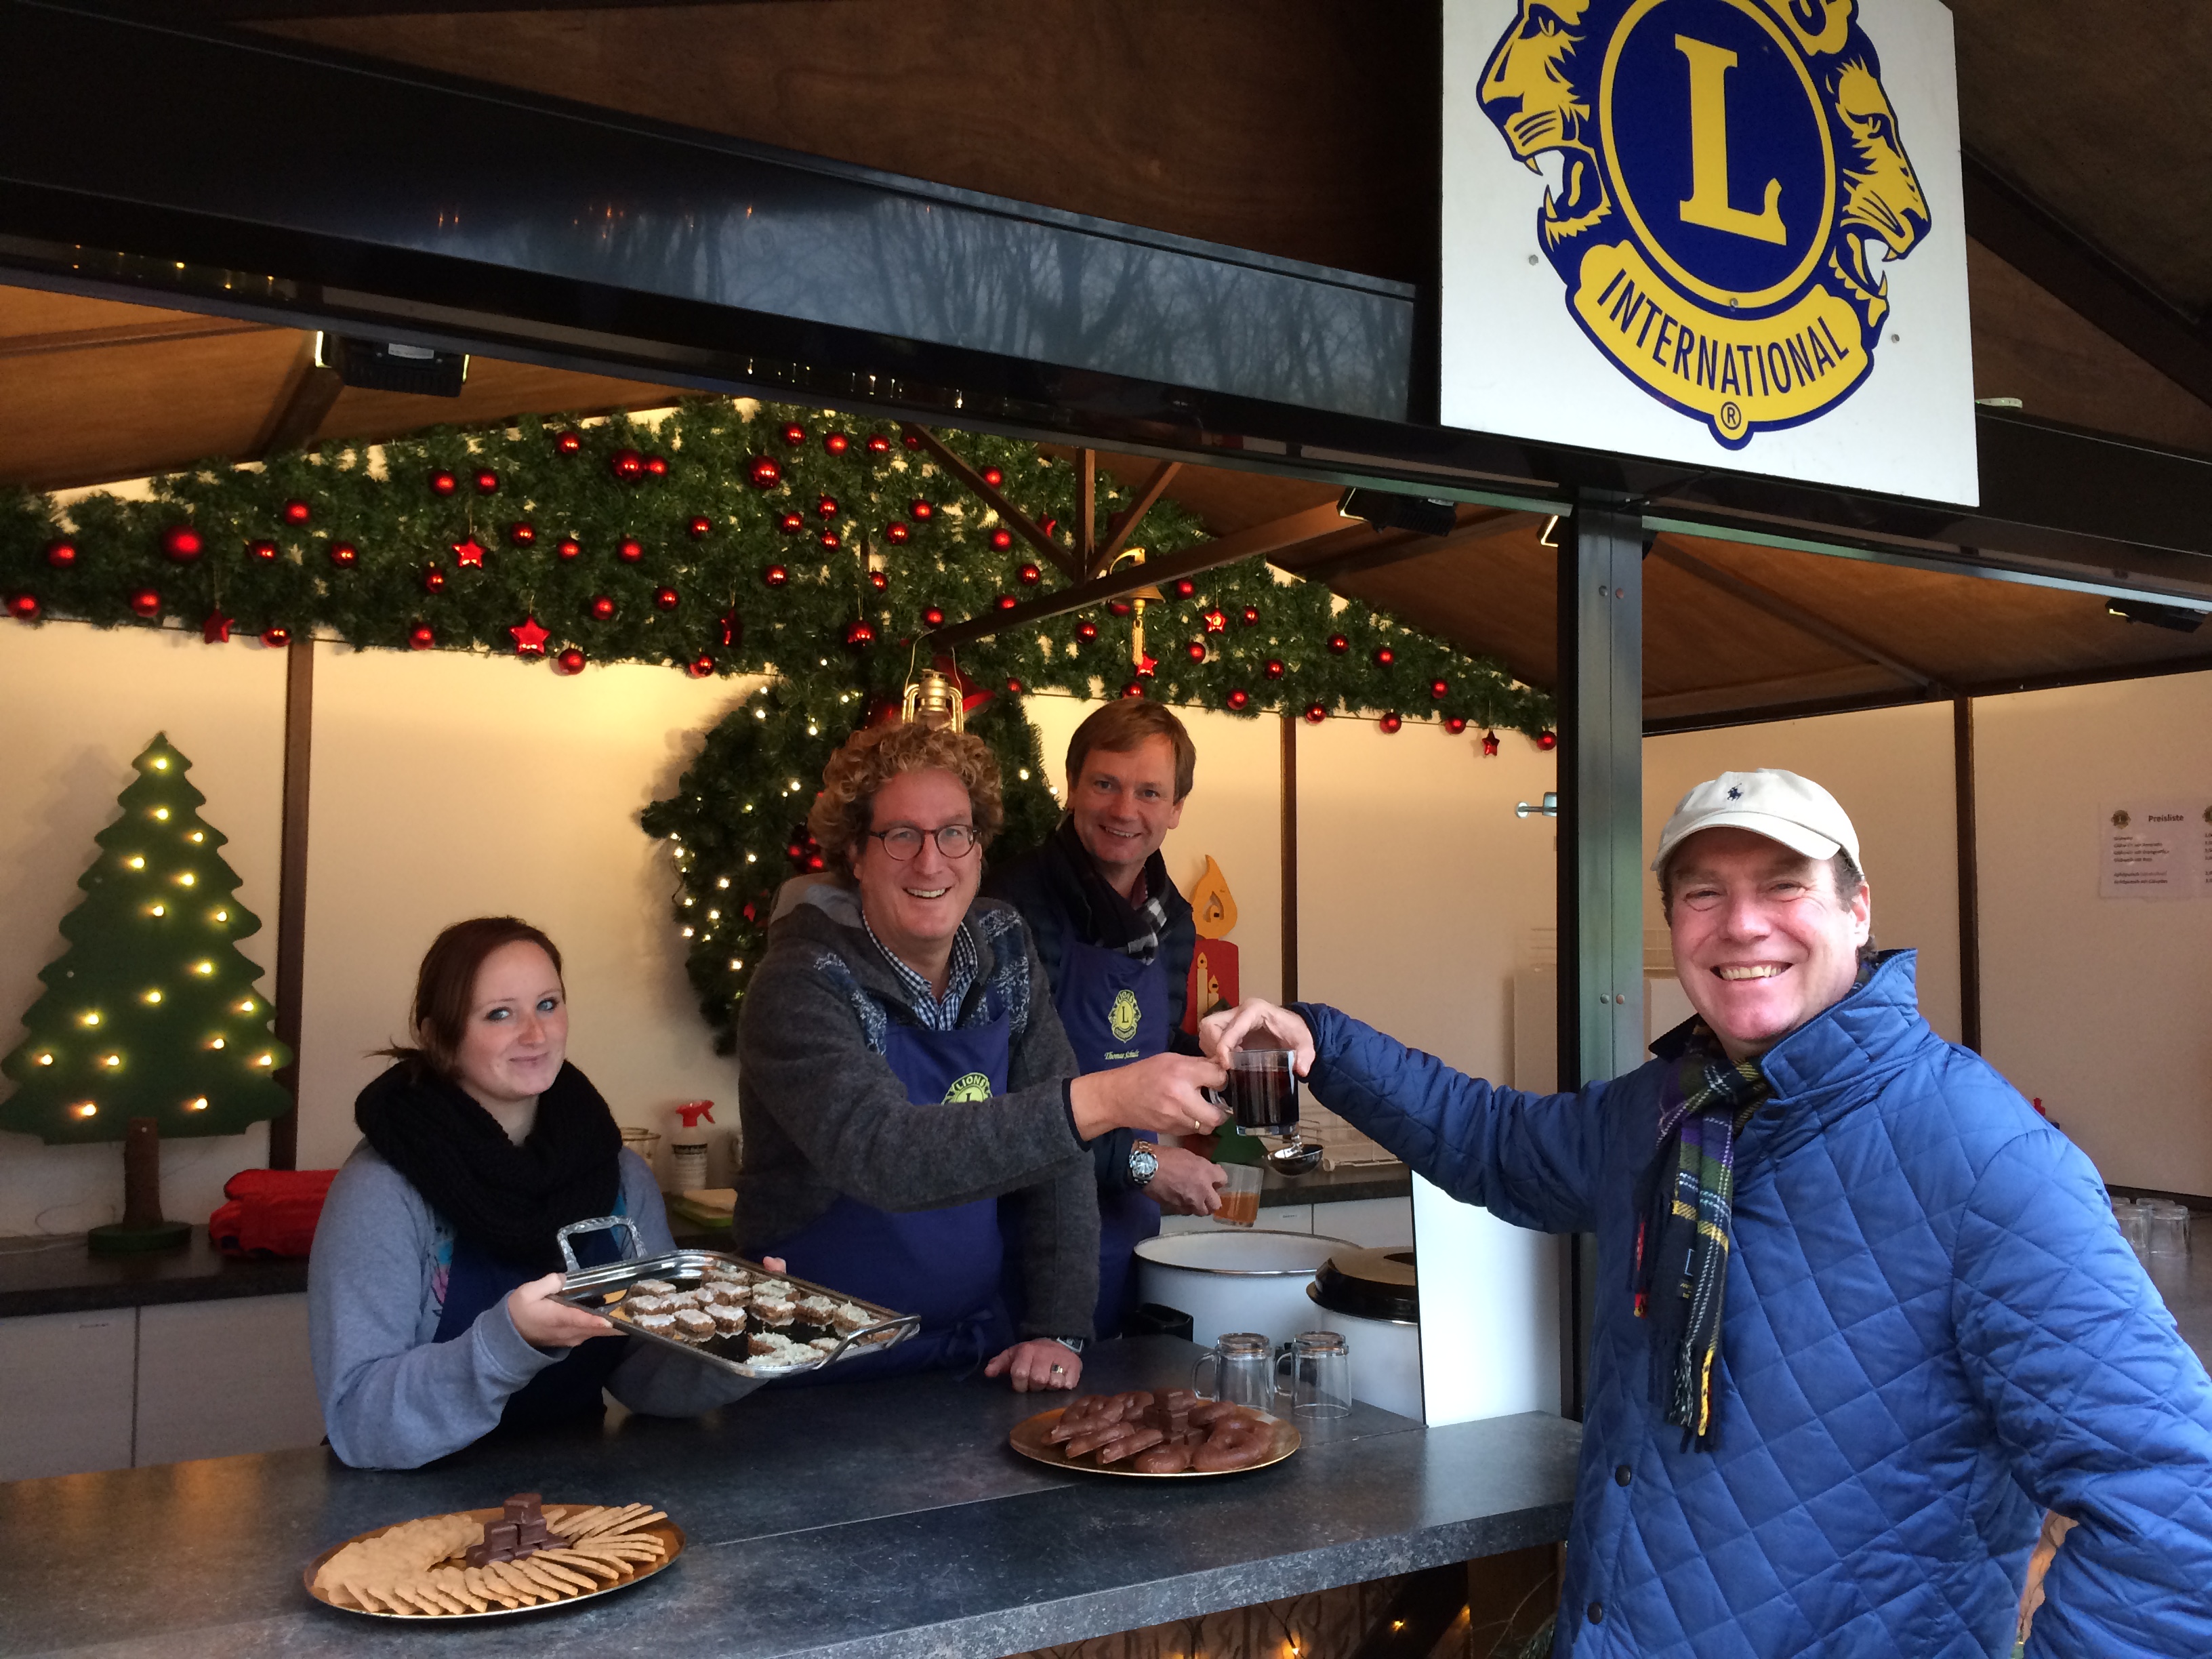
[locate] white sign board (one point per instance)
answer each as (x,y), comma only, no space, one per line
(2158,849)
(1726,232)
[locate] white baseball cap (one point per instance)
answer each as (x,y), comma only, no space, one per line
(1779,805)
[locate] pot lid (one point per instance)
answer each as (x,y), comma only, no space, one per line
(1370,1284)
(1242,1252)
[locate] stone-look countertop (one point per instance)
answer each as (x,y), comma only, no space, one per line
(859,1521)
(61,1275)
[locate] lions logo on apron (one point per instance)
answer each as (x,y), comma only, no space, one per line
(1124,1017)
(975,1085)
(1725,161)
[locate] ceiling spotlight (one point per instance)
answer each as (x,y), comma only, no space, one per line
(2179,618)
(391,366)
(1385,509)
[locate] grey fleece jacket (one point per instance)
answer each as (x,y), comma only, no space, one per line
(395,1397)
(822,1114)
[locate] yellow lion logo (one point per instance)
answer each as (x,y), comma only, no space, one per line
(975,1085)
(1724,167)
(1124,1017)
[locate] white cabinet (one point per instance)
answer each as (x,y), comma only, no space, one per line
(67,1382)
(217,1379)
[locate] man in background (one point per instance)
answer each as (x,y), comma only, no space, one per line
(1116,938)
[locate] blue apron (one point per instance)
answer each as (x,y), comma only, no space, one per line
(569,1388)
(1115,1008)
(942,1264)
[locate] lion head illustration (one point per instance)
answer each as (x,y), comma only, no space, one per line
(1540,89)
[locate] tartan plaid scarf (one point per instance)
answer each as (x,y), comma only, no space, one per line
(1682,1230)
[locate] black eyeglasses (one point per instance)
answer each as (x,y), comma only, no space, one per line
(955,841)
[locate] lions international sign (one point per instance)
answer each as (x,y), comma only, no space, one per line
(1725,231)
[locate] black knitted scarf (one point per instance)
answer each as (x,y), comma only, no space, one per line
(1117,925)
(508,1200)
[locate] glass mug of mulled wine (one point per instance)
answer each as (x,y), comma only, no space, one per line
(1262,1098)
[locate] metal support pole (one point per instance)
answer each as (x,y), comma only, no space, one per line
(1601,839)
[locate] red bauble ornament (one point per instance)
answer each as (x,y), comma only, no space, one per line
(470,554)
(1455,724)
(1184,587)
(1339,644)
(992,476)
(1195,650)
(263,551)
(700,667)
(433,580)
(570,661)
(837,443)
(1014,688)
(878,444)
(878,581)
(932,618)
(896,533)
(215,631)
(859,636)
(1005,602)
(567,443)
(568,548)
(830,540)
(1239,697)
(910,440)
(344,555)
(182,543)
(602,608)
(421,637)
(146,602)
(486,482)
(1384,656)
(920,511)
(1489,743)
(276,637)
(23,606)
(1439,689)
(443,483)
(701,528)
(826,508)
(656,466)
(1548,740)
(1315,713)
(1275,668)
(790,523)
(667,599)
(529,638)
(627,465)
(732,629)
(1251,615)
(1118,607)
(1215,622)
(775,575)
(629,550)
(794,435)
(297,512)
(61,554)
(1134,688)
(522,533)
(1029,575)
(1390,721)
(1001,539)
(1086,631)
(765,474)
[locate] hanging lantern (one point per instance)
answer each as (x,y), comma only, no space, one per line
(934,699)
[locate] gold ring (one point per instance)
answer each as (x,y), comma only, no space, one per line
(1198,1124)
(1055,1370)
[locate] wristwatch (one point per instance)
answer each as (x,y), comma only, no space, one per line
(1073,1344)
(1143,1163)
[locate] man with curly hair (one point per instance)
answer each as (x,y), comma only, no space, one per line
(901,1069)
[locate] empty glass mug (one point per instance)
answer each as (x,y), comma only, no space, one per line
(1320,1363)
(1243,1370)
(2169,1228)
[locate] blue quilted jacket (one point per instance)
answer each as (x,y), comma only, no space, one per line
(1934,1332)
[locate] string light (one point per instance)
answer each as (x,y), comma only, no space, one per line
(204,967)
(247,1006)
(196,838)
(736,962)
(160,910)
(160,764)
(222,915)
(266,1059)
(687,933)
(713,915)
(45,1059)
(752,858)
(163,813)
(111,1060)
(760,714)
(89,1019)
(136,863)
(721,881)
(216,1042)
(153,996)
(187,878)
(85,1108)
(198,1105)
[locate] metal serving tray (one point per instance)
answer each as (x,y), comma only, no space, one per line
(601,1289)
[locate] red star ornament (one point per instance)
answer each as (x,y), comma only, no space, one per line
(529,638)
(215,631)
(1148,665)
(1215,622)
(470,554)
(1489,743)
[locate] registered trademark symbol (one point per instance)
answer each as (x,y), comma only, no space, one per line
(1731,416)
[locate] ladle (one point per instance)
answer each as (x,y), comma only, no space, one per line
(1295,1156)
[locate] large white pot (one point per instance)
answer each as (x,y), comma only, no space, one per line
(1386,1356)
(1247,1280)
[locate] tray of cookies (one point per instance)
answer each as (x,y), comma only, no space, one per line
(485,1564)
(730,1312)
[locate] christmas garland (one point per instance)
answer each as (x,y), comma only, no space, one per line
(730,538)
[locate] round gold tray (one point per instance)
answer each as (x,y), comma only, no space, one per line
(670,1534)
(1029,1439)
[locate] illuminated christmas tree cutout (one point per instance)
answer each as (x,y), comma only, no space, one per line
(153,1011)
